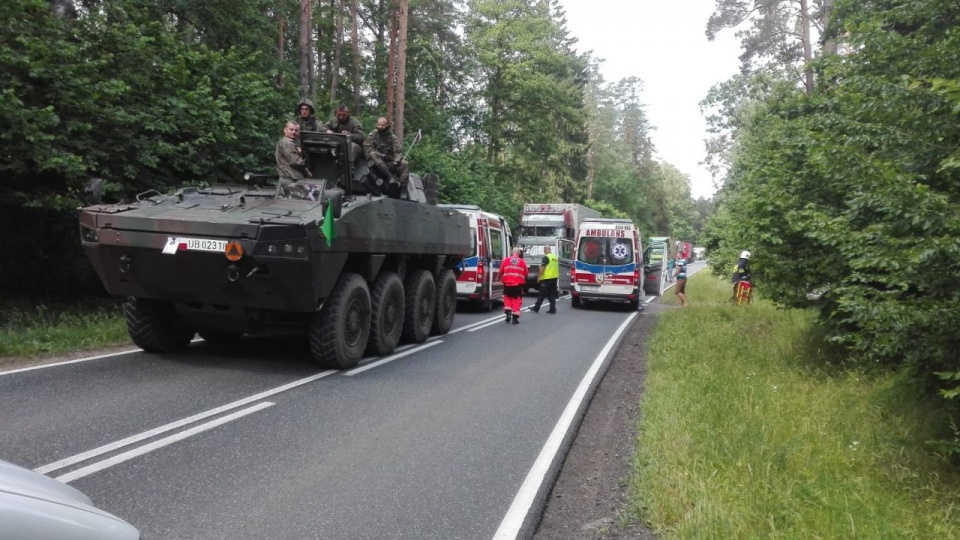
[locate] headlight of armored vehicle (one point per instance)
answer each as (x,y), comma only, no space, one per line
(293,249)
(87,234)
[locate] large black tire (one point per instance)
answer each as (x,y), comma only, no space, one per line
(339,331)
(421,303)
(446,303)
(575,302)
(155,326)
(386,320)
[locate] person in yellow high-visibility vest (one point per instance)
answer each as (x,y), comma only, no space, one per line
(549,275)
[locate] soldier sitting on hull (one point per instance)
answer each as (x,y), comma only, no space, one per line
(345,124)
(385,155)
(291,166)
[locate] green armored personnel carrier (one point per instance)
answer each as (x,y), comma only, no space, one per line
(354,271)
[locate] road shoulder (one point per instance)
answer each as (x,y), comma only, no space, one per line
(589,497)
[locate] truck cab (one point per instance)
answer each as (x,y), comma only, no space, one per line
(554,225)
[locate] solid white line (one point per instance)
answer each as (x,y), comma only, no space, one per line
(372,365)
(126,456)
(77,361)
(498,320)
(513,520)
(66,462)
(473,325)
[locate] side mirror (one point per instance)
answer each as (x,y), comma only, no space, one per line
(93,191)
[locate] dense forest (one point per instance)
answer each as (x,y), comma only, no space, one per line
(840,158)
(151,94)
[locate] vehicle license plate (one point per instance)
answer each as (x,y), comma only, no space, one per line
(204,244)
(589,287)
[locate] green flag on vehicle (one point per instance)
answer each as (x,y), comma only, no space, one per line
(327,227)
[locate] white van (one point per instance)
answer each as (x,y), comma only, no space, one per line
(490,243)
(608,264)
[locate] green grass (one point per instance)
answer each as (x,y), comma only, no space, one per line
(27,331)
(753,428)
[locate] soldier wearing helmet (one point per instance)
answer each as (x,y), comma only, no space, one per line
(305,116)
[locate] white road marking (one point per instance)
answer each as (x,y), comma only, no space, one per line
(372,365)
(66,462)
(126,456)
(513,520)
(77,361)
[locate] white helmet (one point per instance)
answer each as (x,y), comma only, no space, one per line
(745,255)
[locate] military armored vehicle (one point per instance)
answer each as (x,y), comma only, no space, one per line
(354,271)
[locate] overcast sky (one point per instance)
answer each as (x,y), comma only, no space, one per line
(663,43)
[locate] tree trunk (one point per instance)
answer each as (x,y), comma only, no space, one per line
(391,64)
(306,24)
(282,29)
(379,50)
(337,53)
(355,45)
(401,67)
(807,48)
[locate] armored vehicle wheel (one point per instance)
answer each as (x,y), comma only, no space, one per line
(221,339)
(155,326)
(446,303)
(386,320)
(421,293)
(575,302)
(339,331)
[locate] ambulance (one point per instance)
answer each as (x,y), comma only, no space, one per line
(608,264)
(490,243)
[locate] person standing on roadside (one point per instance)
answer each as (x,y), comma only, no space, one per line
(548,277)
(513,274)
(681,275)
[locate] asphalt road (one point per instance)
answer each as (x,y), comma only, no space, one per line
(256,442)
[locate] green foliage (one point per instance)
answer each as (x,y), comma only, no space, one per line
(754,426)
(855,192)
(39,329)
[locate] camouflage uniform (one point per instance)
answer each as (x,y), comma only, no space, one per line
(351,126)
(385,153)
(290,164)
(309,123)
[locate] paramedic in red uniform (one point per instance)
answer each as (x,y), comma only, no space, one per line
(513,275)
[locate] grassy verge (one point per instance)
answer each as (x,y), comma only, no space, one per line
(753,428)
(27,331)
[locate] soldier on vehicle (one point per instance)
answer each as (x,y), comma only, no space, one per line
(345,124)
(305,116)
(385,153)
(291,166)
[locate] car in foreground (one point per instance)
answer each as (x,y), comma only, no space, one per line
(37,507)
